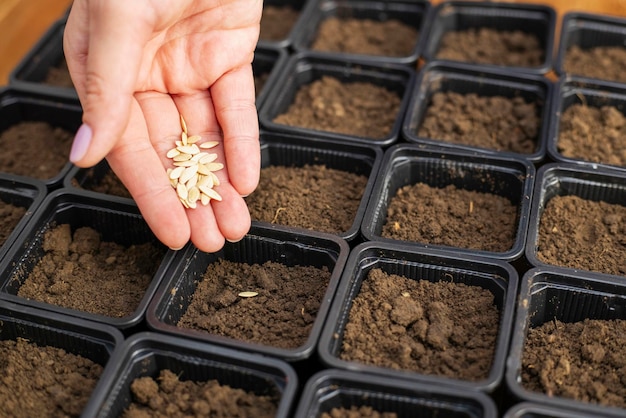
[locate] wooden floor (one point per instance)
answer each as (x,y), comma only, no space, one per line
(23,22)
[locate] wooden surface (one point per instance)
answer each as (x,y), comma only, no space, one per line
(23,22)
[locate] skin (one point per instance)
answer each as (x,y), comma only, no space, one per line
(136,66)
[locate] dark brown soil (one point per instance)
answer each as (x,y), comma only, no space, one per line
(277,22)
(489,46)
(108,184)
(602,62)
(435,328)
(10,216)
(593,134)
(281,315)
(451,216)
(583,234)
(44,381)
(34,149)
(350,108)
(390,38)
(80,271)
(313,197)
(59,76)
(357,412)
(169,397)
(582,360)
(499,123)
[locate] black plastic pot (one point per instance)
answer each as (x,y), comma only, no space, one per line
(535,410)
(261,244)
(410,12)
(268,61)
(588,30)
(557,179)
(495,276)
(304,68)
(146,354)
(406,164)
(116,221)
(344,389)
(463,15)
(573,91)
(301,7)
(30,73)
(550,294)
(18,105)
(88,180)
(24,193)
(482,81)
(94,341)
(293,151)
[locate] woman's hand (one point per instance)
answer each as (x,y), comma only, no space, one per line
(139,64)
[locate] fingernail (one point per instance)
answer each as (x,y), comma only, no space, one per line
(81,143)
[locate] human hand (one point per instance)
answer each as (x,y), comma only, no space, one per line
(137,65)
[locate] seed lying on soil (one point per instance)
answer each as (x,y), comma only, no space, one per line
(248,294)
(193,174)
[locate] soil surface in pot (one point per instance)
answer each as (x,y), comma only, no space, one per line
(602,62)
(108,184)
(583,234)
(434,328)
(489,46)
(495,122)
(582,360)
(81,271)
(313,197)
(596,134)
(277,22)
(280,315)
(169,397)
(357,412)
(59,75)
(10,216)
(44,381)
(355,108)
(451,216)
(390,38)
(44,157)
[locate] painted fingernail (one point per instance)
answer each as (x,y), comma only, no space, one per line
(81,143)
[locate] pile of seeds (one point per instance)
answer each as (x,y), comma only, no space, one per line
(194,174)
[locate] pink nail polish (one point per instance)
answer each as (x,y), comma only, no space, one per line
(81,143)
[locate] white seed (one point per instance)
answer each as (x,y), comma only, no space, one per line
(208,158)
(187,163)
(209,144)
(182,192)
(188,173)
(212,194)
(189,149)
(183,124)
(216,181)
(172,153)
(205,181)
(183,138)
(248,294)
(214,166)
(204,199)
(179,143)
(193,195)
(181,156)
(193,139)
(191,182)
(175,173)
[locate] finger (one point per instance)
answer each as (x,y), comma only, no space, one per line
(234,102)
(117,35)
(230,218)
(138,165)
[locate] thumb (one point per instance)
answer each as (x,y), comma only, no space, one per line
(114,46)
